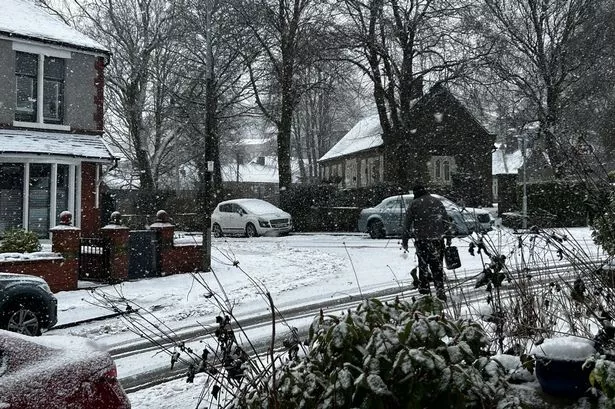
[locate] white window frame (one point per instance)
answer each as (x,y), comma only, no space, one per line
(441,169)
(42,52)
(74,188)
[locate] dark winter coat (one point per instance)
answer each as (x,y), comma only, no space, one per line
(426,219)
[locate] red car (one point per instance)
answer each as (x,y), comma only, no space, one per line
(60,372)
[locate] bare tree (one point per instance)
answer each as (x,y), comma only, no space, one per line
(212,95)
(541,49)
(138,34)
(325,112)
(399,45)
(286,38)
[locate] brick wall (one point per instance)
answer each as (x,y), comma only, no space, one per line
(90,215)
(180,259)
(60,275)
(62,272)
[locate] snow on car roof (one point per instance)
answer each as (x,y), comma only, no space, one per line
(256,205)
(24,18)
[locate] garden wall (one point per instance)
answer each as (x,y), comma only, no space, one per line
(60,268)
(59,275)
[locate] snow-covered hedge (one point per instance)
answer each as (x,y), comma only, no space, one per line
(389,355)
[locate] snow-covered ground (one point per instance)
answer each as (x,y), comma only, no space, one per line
(296,270)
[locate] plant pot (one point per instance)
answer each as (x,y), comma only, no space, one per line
(562,377)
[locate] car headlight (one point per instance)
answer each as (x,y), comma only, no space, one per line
(263,223)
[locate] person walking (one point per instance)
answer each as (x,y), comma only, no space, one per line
(428,223)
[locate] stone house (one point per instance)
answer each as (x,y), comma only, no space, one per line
(460,150)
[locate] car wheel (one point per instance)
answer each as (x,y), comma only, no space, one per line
(251,230)
(376,229)
(216,230)
(23,320)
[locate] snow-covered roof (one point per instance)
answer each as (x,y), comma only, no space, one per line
(253,172)
(507,163)
(366,134)
(19,141)
(26,19)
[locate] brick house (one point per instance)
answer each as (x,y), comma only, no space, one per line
(460,148)
(52,154)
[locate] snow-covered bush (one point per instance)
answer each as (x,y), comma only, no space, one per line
(602,208)
(603,378)
(19,241)
(389,355)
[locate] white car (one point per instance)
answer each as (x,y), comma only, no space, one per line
(250,218)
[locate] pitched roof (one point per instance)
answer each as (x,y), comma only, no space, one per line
(19,141)
(23,18)
(366,134)
(254,172)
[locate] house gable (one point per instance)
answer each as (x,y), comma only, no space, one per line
(51,121)
(458,146)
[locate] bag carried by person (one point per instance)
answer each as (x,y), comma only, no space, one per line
(451,258)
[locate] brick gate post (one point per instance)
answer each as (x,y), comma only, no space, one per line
(65,240)
(117,237)
(165,231)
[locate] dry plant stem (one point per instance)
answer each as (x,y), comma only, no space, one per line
(354,271)
(274,397)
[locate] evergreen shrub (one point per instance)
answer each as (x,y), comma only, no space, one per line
(389,355)
(19,241)
(555,203)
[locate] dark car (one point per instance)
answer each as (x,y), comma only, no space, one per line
(387,218)
(65,372)
(27,305)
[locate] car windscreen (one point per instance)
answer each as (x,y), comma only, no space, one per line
(259,207)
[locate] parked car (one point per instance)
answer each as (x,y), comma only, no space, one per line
(483,217)
(250,218)
(57,372)
(387,218)
(27,305)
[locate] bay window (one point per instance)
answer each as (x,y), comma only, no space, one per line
(32,195)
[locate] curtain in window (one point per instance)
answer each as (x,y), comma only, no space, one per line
(11,196)
(39,200)
(26,72)
(53,90)
(62,190)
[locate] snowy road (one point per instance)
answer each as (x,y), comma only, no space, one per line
(298,271)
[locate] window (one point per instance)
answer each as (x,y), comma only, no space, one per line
(62,189)
(441,169)
(53,90)
(39,88)
(11,196)
(32,195)
(39,201)
(26,72)
(351,173)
